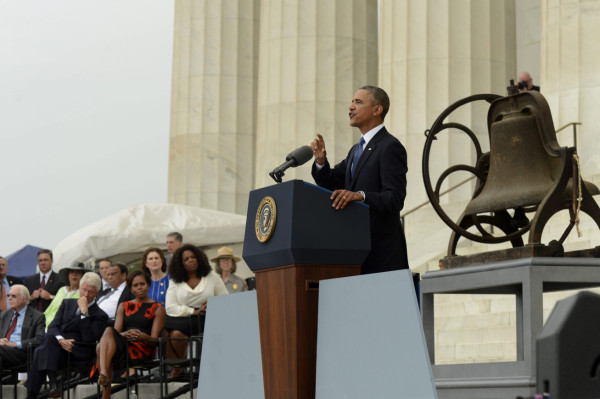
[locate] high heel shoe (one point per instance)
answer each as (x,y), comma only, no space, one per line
(103,380)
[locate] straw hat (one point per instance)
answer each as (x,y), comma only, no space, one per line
(225,253)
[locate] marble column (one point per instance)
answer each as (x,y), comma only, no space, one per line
(570,73)
(433,53)
(213,110)
(314,54)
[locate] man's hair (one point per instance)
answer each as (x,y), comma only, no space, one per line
(177,236)
(45,251)
(91,278)
(24,290)
(121,266)
(104,260)
(2,257)
(379,97)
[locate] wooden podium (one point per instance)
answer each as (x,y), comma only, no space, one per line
(294,239)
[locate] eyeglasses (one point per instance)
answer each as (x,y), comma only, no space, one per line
(12,296)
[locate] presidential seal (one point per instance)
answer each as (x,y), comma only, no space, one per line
(266,217)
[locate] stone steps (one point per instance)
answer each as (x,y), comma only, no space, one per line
(149,390)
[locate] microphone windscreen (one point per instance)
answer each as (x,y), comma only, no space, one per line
(300,155)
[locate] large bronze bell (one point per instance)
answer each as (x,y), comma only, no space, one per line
(525,169)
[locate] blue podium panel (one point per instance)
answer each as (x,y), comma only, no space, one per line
(370,341)
(306,229)
(231,364)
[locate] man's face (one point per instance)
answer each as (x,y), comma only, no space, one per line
(104,265)
(88,291)
(363,114)
(44,262)
(3,268)
(15,300)
(115,277)
(173,245)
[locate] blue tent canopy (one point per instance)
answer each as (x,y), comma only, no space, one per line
(23,262)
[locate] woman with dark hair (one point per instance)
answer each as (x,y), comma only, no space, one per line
(192,282)
(154,263)
(140,320)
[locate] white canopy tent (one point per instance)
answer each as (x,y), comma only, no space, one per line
(134,229)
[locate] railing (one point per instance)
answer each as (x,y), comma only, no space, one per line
(574,124)
(421,205)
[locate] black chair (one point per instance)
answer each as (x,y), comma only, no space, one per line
(145,365)
(75,374)
(192,362)
(13,372)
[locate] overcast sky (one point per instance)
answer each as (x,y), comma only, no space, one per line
(85,90)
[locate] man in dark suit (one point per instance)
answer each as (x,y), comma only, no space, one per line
(374,172)
(43,285)
(5,283)
(109,299)
(20,326)
(77,321)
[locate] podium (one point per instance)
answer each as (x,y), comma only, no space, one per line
(294,239)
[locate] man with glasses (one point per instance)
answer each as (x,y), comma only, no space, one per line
(20,326)
(5,283)
(77,325)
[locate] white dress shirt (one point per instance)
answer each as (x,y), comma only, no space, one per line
(110,301)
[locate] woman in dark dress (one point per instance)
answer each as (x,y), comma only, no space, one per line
(137,320)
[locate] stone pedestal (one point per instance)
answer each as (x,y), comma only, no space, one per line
(526,279)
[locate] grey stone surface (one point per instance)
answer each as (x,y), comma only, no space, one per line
(370,341)
(231,364)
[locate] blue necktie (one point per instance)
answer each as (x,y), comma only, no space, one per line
(357,153)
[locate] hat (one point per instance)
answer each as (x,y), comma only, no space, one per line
(225,253)
(64,272)
(76,266)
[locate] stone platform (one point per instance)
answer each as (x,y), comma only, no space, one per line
(85,390)
(527,280)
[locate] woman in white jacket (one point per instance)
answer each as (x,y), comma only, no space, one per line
(192,282)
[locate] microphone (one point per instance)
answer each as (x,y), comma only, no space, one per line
(295,158)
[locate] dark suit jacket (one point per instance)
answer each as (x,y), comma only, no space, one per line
(34,325)
(52,285)
(12,280)
(126,295)
(381,174)
(70,326)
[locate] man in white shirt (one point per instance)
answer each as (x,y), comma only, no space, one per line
(109,299)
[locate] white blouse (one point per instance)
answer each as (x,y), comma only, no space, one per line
(182,299)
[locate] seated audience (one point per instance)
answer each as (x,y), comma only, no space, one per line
(154,263)
(5,283)
(225,266)
(43,285)
(77,322)
(71,291)
(20,326)
(138,321)
(192,282)
(109,299)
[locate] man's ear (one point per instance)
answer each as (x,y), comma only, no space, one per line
(378,110)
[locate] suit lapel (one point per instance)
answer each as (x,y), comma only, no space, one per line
(26,324)
(366,154)
(7,316)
